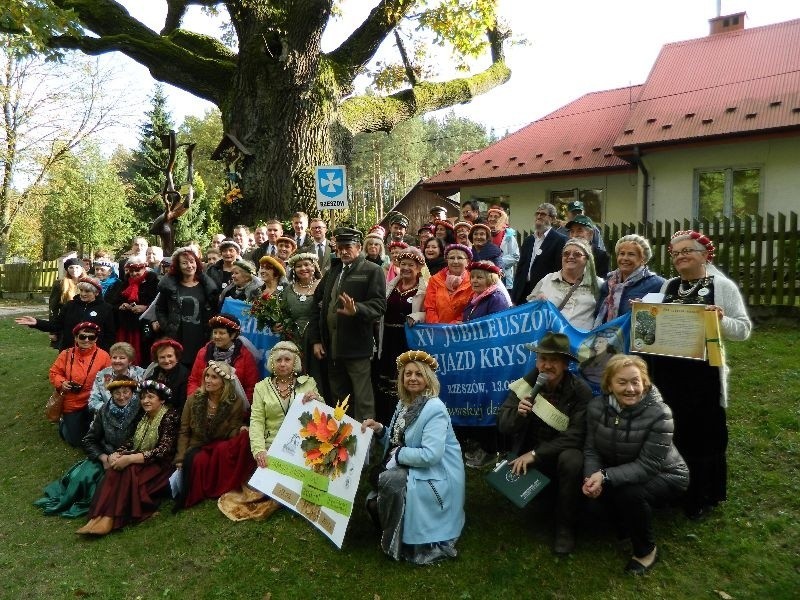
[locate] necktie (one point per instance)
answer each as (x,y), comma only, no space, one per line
(320,252)
(297,239)
(271,250)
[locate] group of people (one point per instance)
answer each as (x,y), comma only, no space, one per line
(197,421)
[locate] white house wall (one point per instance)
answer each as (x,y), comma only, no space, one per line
(672,174)
(620,201)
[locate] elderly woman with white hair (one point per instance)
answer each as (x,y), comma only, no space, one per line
(631,280)
(574,289)
(701,432)
(418,488)
(272,399)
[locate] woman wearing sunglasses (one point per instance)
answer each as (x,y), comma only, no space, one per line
(73,374)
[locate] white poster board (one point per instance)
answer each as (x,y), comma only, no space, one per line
(323,498)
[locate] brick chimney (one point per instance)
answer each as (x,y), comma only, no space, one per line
(727,23)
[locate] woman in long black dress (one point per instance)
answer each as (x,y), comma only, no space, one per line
(699,396)
(404,297)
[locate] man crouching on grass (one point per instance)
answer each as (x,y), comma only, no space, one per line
(551,440)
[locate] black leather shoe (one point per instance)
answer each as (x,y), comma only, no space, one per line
(564,544)
(634,567)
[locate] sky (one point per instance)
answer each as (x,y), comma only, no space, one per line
(573,47)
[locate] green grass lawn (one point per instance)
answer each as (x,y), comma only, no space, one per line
(749,548)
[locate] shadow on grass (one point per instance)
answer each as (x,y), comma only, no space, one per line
(748,548)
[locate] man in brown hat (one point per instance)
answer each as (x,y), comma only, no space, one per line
(550,427)
(347,302)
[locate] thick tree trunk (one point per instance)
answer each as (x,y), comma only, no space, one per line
(283,108)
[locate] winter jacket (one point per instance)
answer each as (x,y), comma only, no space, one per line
(77,311)
(570,397)
(633,444)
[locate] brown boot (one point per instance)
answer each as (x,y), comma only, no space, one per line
(89,527)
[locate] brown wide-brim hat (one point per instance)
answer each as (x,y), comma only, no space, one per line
(553,343)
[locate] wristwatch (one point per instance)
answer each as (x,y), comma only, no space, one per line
(533,455)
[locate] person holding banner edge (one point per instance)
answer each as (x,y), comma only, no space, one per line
(550,427)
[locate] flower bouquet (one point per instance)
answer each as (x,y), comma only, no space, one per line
(328,442)
(271,311)
(233,195)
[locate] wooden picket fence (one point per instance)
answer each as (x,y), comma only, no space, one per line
(28,278)
(761,254)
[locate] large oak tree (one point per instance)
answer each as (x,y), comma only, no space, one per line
(286,100)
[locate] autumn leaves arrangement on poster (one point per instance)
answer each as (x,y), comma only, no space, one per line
(314,465)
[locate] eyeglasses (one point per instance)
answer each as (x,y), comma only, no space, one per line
(576,254)
(87,336)
(684,252)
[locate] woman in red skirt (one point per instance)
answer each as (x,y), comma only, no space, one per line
(214,444)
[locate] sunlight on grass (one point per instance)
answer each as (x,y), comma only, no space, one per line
(749,548)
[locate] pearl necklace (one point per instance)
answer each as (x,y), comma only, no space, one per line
(303,295)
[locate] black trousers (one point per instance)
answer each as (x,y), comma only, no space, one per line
(566,472)
(632,509)
(73,426)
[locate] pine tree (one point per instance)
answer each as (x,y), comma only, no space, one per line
(146,170)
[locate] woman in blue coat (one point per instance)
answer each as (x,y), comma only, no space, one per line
(418,497)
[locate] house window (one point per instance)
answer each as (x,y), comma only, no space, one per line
(727,192)
(592,202)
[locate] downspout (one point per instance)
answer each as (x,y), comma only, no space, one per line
(646,187)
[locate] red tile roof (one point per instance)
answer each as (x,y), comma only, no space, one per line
(575,138)
(732,83)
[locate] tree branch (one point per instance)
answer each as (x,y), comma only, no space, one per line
(363,114)
(177,8)
(356,51)
(195,63)
(412,77)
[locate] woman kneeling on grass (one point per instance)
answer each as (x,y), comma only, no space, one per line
(418,497)
(114,422)
(139,470)
(630,460)
(213,445)
(271,401)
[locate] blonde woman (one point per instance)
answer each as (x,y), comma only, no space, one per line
(418,489)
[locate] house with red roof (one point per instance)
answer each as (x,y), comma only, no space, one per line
(715,130)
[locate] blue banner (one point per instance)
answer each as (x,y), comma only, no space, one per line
(258,341)
(479,359)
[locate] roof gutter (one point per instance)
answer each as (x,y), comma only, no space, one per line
(637,154)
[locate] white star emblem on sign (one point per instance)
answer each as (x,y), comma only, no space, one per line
(330,182)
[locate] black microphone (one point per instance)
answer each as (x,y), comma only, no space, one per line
(541,382)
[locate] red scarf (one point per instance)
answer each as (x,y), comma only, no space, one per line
(497,238)
(131,293)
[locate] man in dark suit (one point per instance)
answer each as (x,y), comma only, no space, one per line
(347,302)
(300,232)
(321,246)
(540,254)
